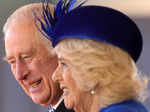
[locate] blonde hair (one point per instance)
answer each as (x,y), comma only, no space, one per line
(106,65)
(25,16)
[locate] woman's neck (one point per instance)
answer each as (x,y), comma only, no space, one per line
(90,103)
(96,104)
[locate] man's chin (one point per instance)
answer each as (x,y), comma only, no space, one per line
(43,105)
(40,101)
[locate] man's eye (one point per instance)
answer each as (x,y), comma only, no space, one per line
(11,61)
(26,57)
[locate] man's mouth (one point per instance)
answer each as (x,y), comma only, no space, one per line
(35,84)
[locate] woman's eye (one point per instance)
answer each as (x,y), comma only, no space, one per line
(63,64)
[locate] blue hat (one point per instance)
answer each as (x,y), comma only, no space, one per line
(95,23)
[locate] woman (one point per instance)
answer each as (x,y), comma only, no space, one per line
(97,48)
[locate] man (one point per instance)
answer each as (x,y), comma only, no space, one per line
(31,58)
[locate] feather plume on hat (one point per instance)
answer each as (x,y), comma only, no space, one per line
(91,22)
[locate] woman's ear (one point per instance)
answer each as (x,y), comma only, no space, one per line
(95,89)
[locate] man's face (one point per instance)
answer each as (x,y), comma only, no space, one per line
(31,64)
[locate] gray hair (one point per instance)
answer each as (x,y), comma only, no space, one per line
(24,16)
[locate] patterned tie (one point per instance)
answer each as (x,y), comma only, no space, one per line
(51,109)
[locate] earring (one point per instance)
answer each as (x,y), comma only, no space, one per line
(92,92)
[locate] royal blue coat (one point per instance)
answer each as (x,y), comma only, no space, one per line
(126,106)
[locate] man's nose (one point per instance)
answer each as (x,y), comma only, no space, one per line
(57,75)
(21,71)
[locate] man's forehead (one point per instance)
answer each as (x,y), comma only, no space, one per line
(19,42)
(21,48)
(20,31)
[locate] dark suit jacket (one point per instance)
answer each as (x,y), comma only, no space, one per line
(62,108)
(126,106)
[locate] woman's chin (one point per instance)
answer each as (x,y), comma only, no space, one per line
(68,103)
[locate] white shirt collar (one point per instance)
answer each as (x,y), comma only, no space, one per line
(57,104)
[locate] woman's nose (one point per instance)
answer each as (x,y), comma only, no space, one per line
(57,75)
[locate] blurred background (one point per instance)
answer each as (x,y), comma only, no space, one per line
(13,98)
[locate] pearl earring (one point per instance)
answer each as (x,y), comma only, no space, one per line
(92,92)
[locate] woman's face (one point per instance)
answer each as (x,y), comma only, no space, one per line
(63,74)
